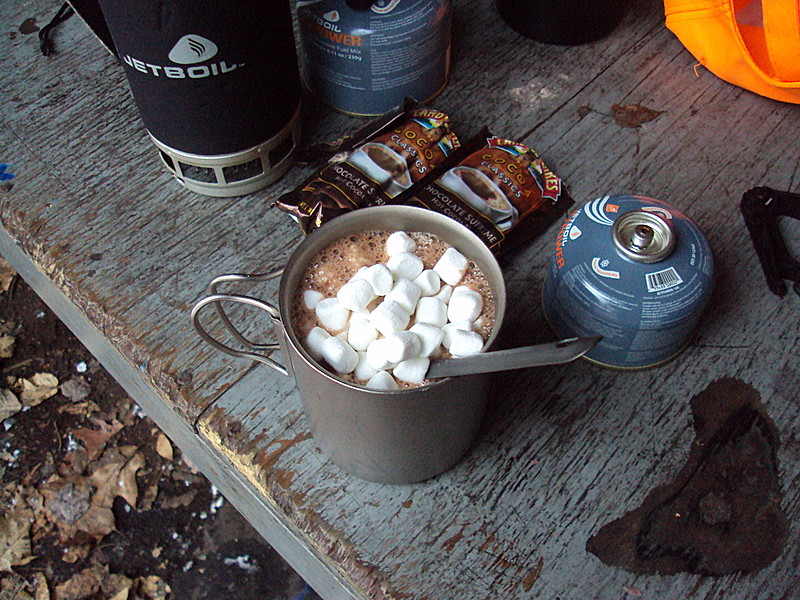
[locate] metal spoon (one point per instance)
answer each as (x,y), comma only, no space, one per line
(551,353)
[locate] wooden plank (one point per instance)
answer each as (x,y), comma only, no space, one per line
(123,252)
(551,467)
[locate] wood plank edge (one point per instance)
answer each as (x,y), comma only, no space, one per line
(247,499)
(273,484)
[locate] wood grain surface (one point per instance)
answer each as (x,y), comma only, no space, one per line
(563,450)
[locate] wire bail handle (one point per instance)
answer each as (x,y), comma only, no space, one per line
(216,299)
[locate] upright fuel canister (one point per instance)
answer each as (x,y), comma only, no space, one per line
(365,58)
(636,271)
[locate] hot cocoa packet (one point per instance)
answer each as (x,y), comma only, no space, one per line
(373,166)
(499,189)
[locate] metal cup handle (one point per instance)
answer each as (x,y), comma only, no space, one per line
(216,298)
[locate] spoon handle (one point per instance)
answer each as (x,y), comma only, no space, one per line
(550,353)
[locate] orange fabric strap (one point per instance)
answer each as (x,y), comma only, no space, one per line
(782,32)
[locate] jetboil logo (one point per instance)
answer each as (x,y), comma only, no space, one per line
(192,50)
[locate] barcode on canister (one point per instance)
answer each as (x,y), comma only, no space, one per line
(663,280)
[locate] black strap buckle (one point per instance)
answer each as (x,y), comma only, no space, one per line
(761,208)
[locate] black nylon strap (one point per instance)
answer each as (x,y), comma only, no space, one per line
(46,32)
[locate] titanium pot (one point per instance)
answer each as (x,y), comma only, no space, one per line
(398,436)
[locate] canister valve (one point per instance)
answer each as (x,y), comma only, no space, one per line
(643,236)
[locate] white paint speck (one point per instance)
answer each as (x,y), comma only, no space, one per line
(81,367)
(245,563)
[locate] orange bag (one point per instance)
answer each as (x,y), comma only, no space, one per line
(754,44)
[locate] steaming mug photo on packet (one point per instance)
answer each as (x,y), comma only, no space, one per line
(500,189)
(403,148)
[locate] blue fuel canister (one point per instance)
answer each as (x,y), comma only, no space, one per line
(367,61)
(636,271)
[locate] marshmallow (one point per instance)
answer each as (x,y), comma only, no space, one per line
(465,343)
(389,317)
(339,355)
(406,294)
(314,340)
(401,346)
(448,329)
(311,298)
(382,381)
(385,353)
(451,266)
(405,265)
(465,305)
(429,335)
(355,294)
(361,333)
(444,293)
(332,314)
(363,370)
(431,310)
(428,282)
(412,370)
(399,242)
(376,355)
(379,277)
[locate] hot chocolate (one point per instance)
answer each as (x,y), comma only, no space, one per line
(377,306)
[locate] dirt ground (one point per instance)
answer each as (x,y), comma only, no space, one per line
(95,502)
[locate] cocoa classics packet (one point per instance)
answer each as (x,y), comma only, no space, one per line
(499,189)
(372,167)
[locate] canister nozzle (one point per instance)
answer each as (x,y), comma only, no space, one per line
(643,236)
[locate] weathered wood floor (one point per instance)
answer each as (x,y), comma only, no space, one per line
(122,252)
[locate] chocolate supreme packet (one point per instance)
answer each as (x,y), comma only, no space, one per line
(409,144)
(499,189)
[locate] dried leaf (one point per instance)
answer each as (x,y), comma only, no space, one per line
(7,274)
(105,478)
(81,408)
(148,497)
(74,463)
(153,587)
(15,541)
(117,477)
(94,440)
(14,587)
(82,584)
(7,343)
(42,592)
(122,594)
(127,479)
(76,389)
(38,388)
(97,522)
(9,405)
(163,447)
(66,501)
(178,501)
(76,552)
(633,115)
(117,587)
